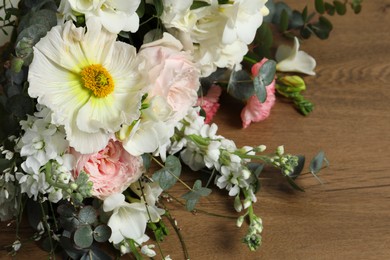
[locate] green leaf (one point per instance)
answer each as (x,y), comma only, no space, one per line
(260,89)
(240,85)
(304,14)
(102,233)
(319,6)
(298,169)
(297,20)
(4,164)
(66,210)
(330,9)
(83,236)
(293,184)
(158,4)
(267,72)
(146,161)
(317,161)
(168,176)
(141,9)
(95,254)
(283,23)
(192,197)
(20,106)
(198,4)
(340,7)
(88,215)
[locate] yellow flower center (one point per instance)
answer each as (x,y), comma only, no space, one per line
(97,79)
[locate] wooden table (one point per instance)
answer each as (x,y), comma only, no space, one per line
(348,217)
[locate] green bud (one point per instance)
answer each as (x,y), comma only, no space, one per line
(16,64)
(74,186)
(290,84)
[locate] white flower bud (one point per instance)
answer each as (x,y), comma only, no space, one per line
(148,251)
(280,150)
(240,220)
(237,204)
(261,148)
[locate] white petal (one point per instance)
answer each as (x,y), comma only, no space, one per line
(113,201)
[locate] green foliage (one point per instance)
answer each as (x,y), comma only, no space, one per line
(101,233)
(159,229)
(83,236)
(240,85)
(317,162)
(158,4)
(264,78)
(88,215)
(293,22)
(168,176)
(198,4)
(192,197)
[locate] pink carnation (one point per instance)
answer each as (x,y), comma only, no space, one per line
(254,111)
(209,103)
(171,74)
(111,170)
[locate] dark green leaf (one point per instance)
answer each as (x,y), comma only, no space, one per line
(66,210)
(319,6)
(20,106)
(340,7)
(306,32)
(293,184)
(88,215)
(158,4)
(198,4)
(298,169)
(316,162)
(83,236)
(240,85)
(141,9)
(304,14)
(279,8)
(283,23)
(102,233)
(168,175)
(255,168)
(329,9)
(4,164)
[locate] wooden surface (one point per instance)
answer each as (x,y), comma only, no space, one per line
(349,216)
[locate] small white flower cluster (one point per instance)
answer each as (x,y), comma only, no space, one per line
(47,167)
(204,148)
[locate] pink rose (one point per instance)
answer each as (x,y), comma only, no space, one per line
(254,111)
(171,74)
(111,170)
(209,103)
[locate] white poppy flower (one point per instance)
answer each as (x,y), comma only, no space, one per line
(89,81)
(292,60)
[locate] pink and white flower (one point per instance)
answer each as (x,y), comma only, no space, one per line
(111,170)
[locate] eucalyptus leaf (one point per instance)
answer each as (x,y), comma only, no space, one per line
(95,254)
(267,72)
(340,7)
(88,215)
(20,106)
(284,19)
(141,9)
(260,89)
(168,176)
(146,161)
(279,8)
(240,85)
(102,233)
(319,6)
(297,20)
(293,184)
(317,162)
(192,197)
(83,236)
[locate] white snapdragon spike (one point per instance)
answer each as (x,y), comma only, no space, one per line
(127,221)
(114,15)
(293,60)
(32,183)
(89,81)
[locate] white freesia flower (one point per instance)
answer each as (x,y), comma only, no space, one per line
(114,15)
(88,80)
(293,60)
(128,220)
(243,19)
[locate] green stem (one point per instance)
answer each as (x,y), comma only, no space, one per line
(44,219)
(250,60)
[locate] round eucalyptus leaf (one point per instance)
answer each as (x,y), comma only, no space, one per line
(102,233)
(88,215)
(83,236)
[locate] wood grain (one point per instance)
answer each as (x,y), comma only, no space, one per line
(349,216)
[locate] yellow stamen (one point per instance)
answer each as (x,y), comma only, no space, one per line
(97,79)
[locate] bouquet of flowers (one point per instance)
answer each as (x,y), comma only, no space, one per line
(103,101)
